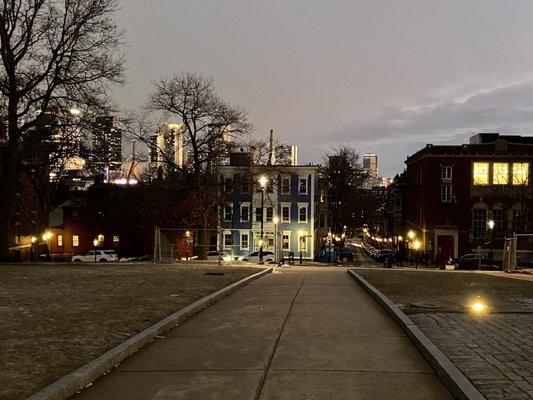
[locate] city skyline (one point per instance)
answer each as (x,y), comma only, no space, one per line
(426,72)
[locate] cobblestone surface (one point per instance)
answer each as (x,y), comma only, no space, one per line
(495,352)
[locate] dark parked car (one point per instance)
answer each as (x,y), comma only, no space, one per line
(345,253)
(473,262)
(525,261)
(384,255)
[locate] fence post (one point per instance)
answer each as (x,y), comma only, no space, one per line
(156,243)
(219,245)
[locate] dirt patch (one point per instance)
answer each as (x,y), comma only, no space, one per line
(56,318)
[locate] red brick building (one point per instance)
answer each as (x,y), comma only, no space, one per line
(453,191)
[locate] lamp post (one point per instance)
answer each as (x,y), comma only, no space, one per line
(490,224)
(276,249)
(263,181)
(411,235)
(300,235)
(95,244)
(187,239)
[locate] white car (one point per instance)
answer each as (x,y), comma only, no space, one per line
(101,256)
(213,256)
(268,257)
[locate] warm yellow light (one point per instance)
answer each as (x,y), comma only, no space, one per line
(411,234)
(47,236)
(491,224)
(500,173)
(95,242)
(417,244)
(343,235)
(520,173)
(75,111)
(187,233)
(480,173)
(275,220)
(400,238)
(478,307)
(263,180)
(260,242)
(33,239)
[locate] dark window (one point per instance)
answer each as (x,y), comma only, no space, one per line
(479,223)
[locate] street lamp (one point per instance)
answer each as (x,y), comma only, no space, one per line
(263,181)
(491,224)
(95,244)
(411,234)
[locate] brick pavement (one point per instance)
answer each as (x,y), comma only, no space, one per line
(495,352)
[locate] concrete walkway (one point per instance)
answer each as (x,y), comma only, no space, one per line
(306,333)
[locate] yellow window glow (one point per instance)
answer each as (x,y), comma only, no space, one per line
(500,173)
(520,173)
(481,173)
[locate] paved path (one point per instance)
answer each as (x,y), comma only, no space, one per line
(308,333)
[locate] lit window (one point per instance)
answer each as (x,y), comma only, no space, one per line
(244,241)
(302,244)
(481,173)
(17,239)
(446,172)
(59,240)
(520,173)
(286,242)
(75,241)
(116,240)
(500,173)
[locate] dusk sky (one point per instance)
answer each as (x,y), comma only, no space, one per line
(385,76)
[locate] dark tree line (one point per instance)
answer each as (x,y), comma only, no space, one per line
(55,55)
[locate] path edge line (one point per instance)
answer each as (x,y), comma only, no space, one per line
(454,380)
(77,380)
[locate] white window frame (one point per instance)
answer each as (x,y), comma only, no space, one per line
(227,246)
(59,240)
(225,214)
(288,234)
(249,212)
(284,178)
(446,197)
(284,220)
(300,207)
(304,241)
(243,247)
(271,217)
(446,173)
(300,179)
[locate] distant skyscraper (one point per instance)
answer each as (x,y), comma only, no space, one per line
(167,147)
(370,165)
(106,156)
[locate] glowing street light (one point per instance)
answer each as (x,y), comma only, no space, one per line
(263,180)
(411,234)
(33,239)
(491,224)
(47,236)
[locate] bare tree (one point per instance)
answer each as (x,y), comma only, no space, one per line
(56,55)
(210,124)
(344,174)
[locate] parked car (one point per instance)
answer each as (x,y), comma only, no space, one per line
(525,261)
(268,257)
(345,253)
(473,261)
(383,255)
(213,255)
(101,256)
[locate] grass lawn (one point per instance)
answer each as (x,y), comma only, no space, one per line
(442,291)
(56,318)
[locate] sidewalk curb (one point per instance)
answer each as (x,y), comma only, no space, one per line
(454,380)
(69,384)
